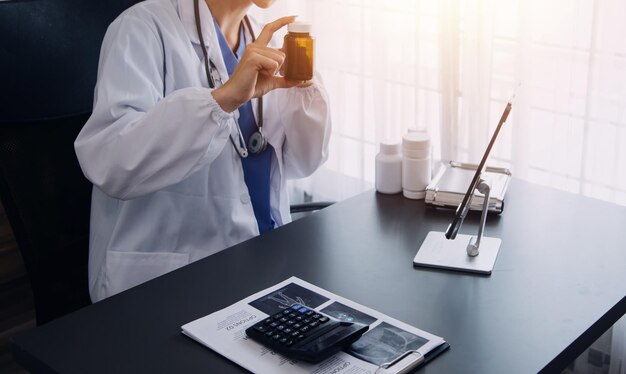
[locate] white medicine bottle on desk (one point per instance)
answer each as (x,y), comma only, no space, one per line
(416,164)
(388,170)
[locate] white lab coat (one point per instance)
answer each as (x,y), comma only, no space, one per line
(168,184)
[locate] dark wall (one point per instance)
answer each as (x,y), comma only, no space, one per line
(49,52)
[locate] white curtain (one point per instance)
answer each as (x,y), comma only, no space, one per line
(449,66)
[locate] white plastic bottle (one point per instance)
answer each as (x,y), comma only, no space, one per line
(416,164)
(388,169)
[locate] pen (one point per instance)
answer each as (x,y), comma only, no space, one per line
(463,208)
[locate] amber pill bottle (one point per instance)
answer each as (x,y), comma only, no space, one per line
(299,47)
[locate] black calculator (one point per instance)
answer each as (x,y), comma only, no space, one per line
(302,333)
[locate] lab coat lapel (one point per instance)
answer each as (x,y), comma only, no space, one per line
(188,18)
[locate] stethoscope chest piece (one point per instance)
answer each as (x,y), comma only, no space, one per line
(257,143)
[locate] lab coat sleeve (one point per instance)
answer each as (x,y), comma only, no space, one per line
(138,140)
(305,115)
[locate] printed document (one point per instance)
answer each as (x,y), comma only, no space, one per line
(387,339)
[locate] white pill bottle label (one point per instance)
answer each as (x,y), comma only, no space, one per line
(388,169)
(416,164)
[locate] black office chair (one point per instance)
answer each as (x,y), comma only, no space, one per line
(309,207)
(49,51)
(47,201)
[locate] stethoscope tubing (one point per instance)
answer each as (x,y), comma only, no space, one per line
(242,149)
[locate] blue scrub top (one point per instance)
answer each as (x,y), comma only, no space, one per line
(256,168)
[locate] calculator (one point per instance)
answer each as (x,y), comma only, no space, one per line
(302,333)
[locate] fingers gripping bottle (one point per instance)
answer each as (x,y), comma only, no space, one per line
(299,47)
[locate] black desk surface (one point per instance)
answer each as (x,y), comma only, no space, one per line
(558,284)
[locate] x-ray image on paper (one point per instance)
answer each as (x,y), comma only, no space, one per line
(347,314)
(285,297)
(385,343)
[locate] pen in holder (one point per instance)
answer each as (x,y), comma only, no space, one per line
(463,252)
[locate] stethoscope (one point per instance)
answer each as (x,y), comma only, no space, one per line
(257,142)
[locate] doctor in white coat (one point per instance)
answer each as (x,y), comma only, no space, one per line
(165,146)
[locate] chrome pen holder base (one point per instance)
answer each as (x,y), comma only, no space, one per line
(464,252)
(438,252)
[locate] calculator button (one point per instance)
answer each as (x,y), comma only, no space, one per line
(296,326)
(313,324)
(287,331)
(261,328)
(317,316)
(300,337)
(269,333)
(295,334)
(280,327)
(303,310)
(283,341)
(296,306)
(289,323)
(276,336)
(307,321)
(323,320)
(291,315)
(289,342)
(286,311)
(305,329)
(309,313)
(299,318)
(273,324)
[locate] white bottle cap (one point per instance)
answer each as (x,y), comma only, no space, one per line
(416,140)
(299,27)
(389,147)
(416,144)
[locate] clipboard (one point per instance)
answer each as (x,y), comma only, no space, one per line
(448,186)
